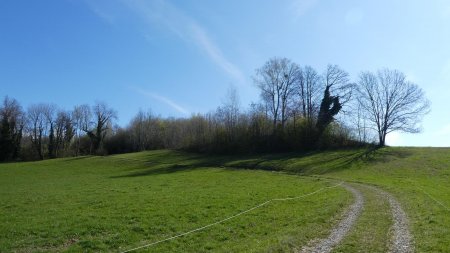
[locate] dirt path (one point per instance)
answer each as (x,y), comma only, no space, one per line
(339,232)
(402,241)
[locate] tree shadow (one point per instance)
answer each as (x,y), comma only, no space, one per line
(322,162)
(359,159)
(310,163)
(167,164)
(158,171)
(76,158)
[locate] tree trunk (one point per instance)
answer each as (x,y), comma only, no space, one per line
(382,139)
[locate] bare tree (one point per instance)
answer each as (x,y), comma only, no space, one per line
(64,131)
(49,111)
(308,90)
(12,124)
(82,117)
(277,80)
(103,121)
(138,130)
(391,103)
(360,122)
(37,127)
(228,113)
(338,92)
(338,81)
(141,130)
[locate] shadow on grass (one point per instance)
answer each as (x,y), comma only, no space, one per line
(76,158)
(158,167)
(336,162)
(317,162)
(158,171)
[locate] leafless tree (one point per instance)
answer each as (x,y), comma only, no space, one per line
(277,80)
(228,112)
(308,90)
(103,121)
(338,92)
(141,129)
(11,128)
(338,81)
(64,131)
(82,120)
(360,124)
(391,103)
(50,116)
(37,126)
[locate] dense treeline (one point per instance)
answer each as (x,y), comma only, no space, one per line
(44,131)
(297,110)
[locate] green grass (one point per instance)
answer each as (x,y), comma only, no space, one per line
(418,177)
(116,203)
(123,201)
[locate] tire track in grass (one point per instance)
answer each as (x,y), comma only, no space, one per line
(402,240)
(371,231)
(341,230)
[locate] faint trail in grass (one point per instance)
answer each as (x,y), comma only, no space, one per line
(429,195)
(231,217)
(402,238)
(435,200)
(342,229)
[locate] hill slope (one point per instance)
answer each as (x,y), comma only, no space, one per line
(121,202)
(418,177)
(124,201)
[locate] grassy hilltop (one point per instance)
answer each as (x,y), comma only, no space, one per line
(418,177)
(120,202)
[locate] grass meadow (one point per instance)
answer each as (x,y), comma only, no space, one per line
(418,177)
(116,203)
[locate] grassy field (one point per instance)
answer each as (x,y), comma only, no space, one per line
(120,202)
(418,177)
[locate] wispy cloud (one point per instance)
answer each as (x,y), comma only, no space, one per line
(215,53)
(169,17)
(301,7)
(164,100)
(102,9)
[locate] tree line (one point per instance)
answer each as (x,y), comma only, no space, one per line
(298,109)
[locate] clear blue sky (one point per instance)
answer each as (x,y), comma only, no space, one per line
(180,57)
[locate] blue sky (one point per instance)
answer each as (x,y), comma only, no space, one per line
(180,57)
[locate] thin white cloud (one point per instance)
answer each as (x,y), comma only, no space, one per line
(169,17)
(215,53)
(102,9)
(300,7)
(164,100)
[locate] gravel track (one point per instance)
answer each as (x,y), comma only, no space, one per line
(341,229)
(402,241)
